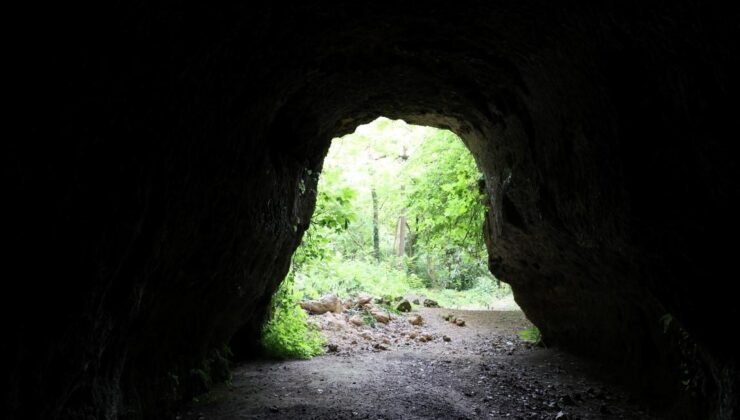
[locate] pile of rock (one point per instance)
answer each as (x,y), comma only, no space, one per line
(331,303)
(460,322)
(422,301)
(364,323)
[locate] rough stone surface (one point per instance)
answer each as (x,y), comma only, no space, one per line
(166,162)
(380,315)
(416,320)
(327,303)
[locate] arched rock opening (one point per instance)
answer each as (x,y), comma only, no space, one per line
(166,194)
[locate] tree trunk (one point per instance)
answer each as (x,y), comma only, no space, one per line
(411,242)
(376,234)
(401,235)
(430,272)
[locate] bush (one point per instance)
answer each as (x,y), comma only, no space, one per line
(287,335)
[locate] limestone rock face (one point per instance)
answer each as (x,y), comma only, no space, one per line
(168,159)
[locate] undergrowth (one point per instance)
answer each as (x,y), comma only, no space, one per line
(287,335)
(531,335)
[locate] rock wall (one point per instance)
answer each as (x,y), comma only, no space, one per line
(168,158)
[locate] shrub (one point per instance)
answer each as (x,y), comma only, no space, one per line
(287,335)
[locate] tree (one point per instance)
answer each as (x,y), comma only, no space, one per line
(446,204)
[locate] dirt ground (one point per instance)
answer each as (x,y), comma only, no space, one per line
(483,371)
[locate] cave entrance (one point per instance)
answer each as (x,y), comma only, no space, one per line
(396,232)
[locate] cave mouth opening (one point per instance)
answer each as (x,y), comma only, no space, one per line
(397,228)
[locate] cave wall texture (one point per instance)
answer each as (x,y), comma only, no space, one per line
(153,194)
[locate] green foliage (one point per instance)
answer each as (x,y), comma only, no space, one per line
(446,205)
(531,335)
(481,296)
(425,174)
(333,214)
(420,175)
(287,335)
(348,277)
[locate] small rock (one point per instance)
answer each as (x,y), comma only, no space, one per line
(416,320)
(429,303)
(380,316)
(460,322)
(404,306)
(333,348)
(364,299)
(561,416)
(356,320)
(567,400)
(379,346)
(412,335)
(415,301)
(446,338)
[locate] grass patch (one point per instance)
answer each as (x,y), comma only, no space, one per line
(530,335)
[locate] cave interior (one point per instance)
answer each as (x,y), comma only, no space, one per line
(154,188)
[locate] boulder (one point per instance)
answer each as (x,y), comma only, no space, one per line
(404,306)
(327,303)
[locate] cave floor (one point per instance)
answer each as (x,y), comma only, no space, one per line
(484,371)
